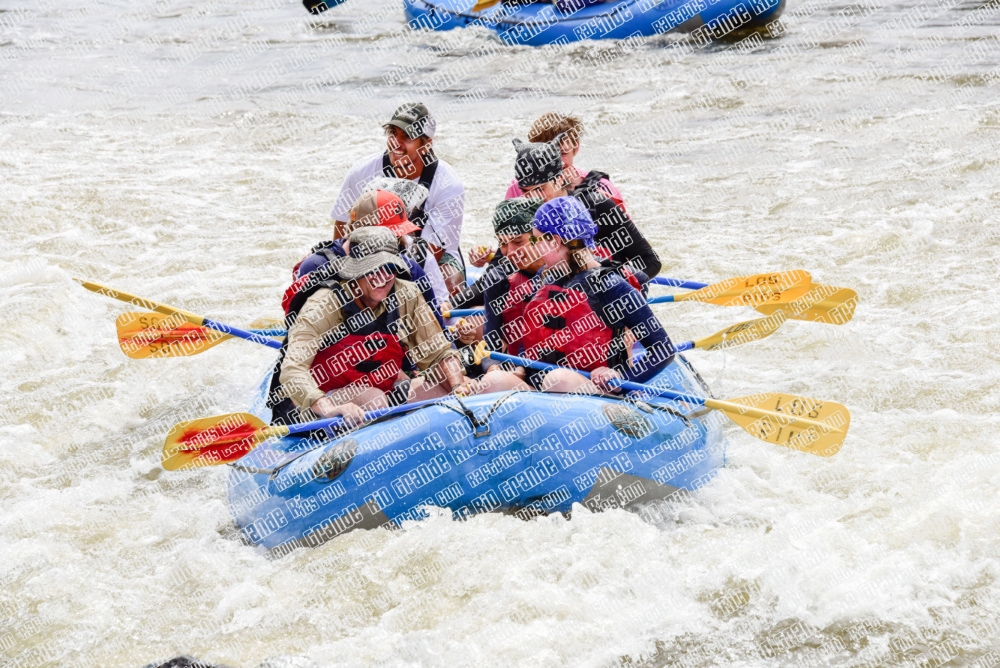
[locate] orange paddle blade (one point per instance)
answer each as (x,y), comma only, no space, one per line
(215,440)
(144,335)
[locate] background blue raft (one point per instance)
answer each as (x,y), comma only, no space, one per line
(538,23)
(527,453)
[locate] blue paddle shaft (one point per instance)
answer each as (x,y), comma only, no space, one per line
(462,312)
(664,299)
(241,333)
(678,283)
(624,384)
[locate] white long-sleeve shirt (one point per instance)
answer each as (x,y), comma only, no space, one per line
(444,208)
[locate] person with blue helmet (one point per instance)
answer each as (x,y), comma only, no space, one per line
(584,313)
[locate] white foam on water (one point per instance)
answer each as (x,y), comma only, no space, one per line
(883,552)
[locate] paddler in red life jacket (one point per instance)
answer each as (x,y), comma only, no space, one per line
(509,281)
(346,348)
(579,316)
(539,171)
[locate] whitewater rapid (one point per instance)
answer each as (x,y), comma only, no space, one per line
(191,152)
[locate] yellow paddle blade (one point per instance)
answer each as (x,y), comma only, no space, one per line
(480,6)
(823,303)
(775,288)
(215,440)
(810,425)
(743,332)
(148,334)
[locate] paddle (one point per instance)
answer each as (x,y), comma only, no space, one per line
(822,303)
(142,335)
(223,439)
(197,320)
(774,288)
(738,334)
(800,423)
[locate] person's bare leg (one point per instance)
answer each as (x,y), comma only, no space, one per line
(421,390)
(502,381)
(369,398)
(566,381)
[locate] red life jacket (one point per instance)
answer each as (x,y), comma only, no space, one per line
(513,326)
(364,350)
(565,326)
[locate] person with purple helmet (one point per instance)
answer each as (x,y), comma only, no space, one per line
(584,312)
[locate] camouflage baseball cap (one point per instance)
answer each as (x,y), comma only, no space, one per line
(372,248)
(414,119)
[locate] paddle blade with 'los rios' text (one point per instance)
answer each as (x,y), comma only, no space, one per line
(801,423)
(772,288)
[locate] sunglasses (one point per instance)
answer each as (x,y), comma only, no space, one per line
(546,236)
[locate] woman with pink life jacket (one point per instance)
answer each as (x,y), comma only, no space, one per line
(351,336)
(581,311)
(569,129)
(545,170)
(617,239)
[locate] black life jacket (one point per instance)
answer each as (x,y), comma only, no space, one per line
(363,350)
(590,193)
(418,217)
(565,326)
(304,282)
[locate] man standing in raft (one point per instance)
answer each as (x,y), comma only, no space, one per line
(582,309)
(410,155)
(345,350)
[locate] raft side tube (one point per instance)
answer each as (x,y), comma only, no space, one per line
(538,454)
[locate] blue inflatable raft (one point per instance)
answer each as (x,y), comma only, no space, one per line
(525,453)
(540,23)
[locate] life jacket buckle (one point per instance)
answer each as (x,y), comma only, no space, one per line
(480,429)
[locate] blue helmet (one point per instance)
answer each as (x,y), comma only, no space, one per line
(566,218)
